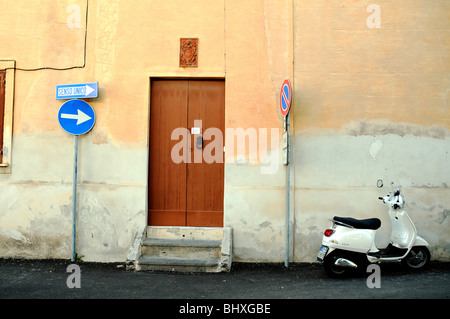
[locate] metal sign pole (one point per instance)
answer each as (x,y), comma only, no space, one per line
(74,205)
(285,105)
(288,190)
(76,117)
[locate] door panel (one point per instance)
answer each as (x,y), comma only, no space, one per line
(205,181)
(167,180)
(186,193)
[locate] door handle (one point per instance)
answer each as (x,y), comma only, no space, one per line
(199,143)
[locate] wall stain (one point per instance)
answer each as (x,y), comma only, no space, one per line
(384,127)
(36,246)
(442,216)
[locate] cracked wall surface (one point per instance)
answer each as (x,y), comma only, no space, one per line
(368,103)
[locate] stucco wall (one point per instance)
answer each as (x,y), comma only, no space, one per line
(128,42)
(368,103)
(371,103)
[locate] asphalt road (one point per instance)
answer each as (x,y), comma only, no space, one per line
(248,283)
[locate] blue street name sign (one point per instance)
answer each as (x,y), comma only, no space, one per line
(76,117)
(77,91)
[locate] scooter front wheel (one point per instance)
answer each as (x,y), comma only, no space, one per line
(418,258)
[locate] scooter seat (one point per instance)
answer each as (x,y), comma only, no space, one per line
(371,223)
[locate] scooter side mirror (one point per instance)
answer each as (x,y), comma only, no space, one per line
(379,183)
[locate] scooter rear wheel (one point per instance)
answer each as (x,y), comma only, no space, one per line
(418,258)
(331,268)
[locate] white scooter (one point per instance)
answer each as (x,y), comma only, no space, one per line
(350,243)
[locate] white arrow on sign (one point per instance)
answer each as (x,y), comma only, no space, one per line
(81,117)
(89,90)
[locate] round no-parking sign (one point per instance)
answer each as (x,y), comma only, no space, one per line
(285,97)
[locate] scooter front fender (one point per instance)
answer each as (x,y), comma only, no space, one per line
(420,242)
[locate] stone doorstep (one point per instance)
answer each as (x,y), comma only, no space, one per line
(178,261)
(182,242)
(187,248)
(178,264)
(219,239)
(193,233)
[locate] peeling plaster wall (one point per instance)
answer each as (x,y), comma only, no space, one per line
(254,203)
(371,103)
(336,176)
(36,201)
(368,104)
(128,42)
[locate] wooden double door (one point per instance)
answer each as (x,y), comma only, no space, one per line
(183,190)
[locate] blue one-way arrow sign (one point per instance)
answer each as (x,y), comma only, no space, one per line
(77,91)
(76,117)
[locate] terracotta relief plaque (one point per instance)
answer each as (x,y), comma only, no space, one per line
(189,52)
